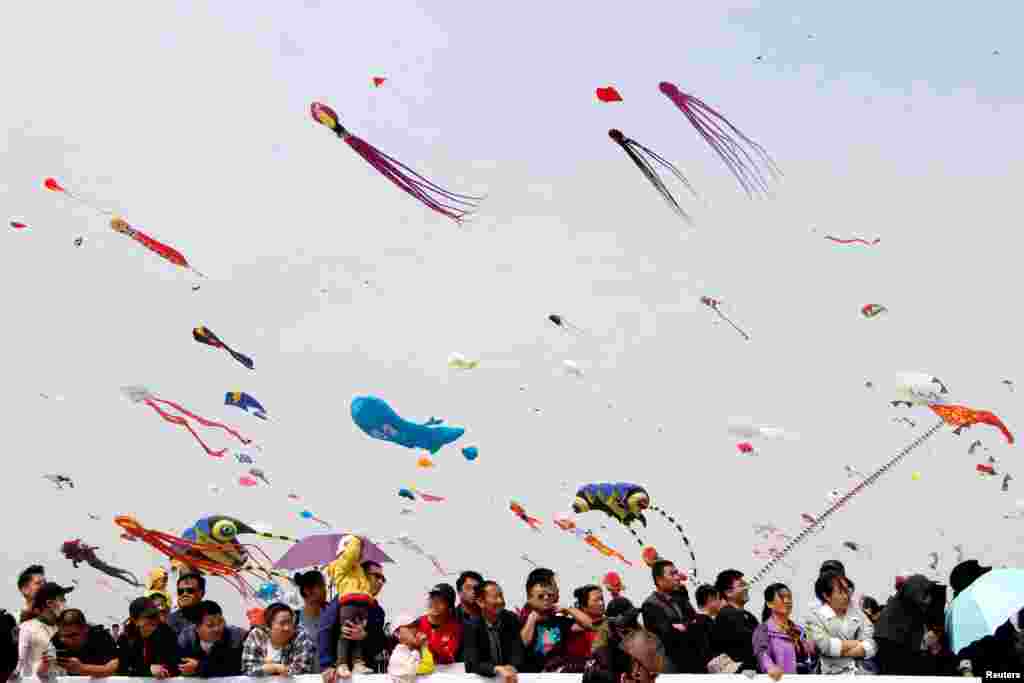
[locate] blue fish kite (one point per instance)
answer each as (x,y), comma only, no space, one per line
(376,418)
(242,400)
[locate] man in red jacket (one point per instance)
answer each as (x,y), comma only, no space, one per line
(443,630)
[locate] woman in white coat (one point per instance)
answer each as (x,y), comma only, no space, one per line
(842,634)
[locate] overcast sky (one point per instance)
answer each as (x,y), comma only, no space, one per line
(891,120)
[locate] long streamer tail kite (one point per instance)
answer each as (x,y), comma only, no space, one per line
(642,157)
(741,155)
(445,202)
(205,335)
(121,226)
(137,394)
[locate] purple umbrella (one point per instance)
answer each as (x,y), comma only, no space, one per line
(321,549)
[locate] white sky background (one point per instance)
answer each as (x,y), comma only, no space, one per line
(191,119)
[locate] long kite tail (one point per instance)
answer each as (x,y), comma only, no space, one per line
(455,206)
(686,541)
(734,325)
(871,479)
(633,150)
(202,420)
(725,139)
(179,420)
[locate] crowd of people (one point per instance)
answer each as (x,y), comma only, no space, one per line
(468,625)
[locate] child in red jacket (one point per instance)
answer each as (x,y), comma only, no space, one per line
(442,629)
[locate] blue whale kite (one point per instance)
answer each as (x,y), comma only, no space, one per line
(376,418)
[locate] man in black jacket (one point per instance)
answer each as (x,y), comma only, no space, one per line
(191,591)
(492,642)
(733,632)
(211,648)
(709,603)
(902,628)
(667,618)
(84,650)
(467,585)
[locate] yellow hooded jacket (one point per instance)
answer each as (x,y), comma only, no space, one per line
(346,572)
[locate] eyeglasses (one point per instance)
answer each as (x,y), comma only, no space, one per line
(188,591)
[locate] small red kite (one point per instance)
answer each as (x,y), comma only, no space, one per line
(18,226)
(378,81)
(608,94)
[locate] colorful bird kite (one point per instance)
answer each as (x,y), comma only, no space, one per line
(211,546)
(743,157)
(204,335)
(608,94)
(242,400)
(470,453)
(520,512)
(377,419)
(642,157)
(435,197)
(139,394)
(715,305)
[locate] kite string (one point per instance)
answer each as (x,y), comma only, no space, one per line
(849,495)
